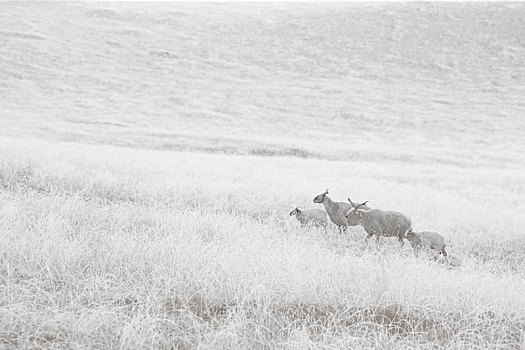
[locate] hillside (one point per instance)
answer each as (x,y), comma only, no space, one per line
(150,155)
(416,82)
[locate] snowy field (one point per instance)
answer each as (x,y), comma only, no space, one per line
(150,155)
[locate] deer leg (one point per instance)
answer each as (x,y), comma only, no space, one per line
(377,242)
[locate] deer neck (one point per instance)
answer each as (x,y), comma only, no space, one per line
(329,204)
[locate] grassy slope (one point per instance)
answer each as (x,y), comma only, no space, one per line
(308,80)
(415,107)
(117,247)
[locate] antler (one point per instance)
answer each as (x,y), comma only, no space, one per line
(326,191)
(360,205)
(353,205)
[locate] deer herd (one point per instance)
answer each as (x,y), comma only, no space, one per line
(375,222)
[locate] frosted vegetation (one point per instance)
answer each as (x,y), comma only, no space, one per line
(150,156)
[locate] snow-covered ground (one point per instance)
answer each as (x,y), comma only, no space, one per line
(150,155)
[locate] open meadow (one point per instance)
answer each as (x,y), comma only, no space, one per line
(150,155)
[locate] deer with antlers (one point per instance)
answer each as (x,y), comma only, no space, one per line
(379,222)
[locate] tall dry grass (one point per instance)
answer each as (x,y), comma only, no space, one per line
(106,247)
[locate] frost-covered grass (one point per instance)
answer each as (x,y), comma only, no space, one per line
(106,247)
(429,82)
(180,136)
